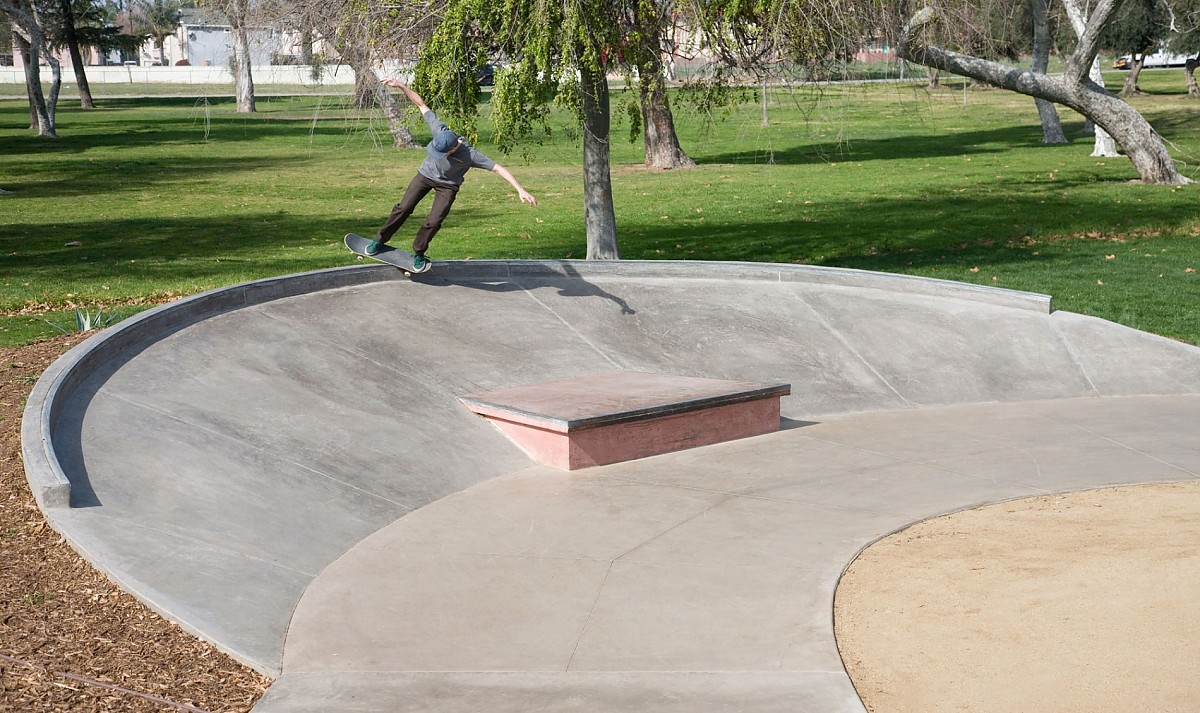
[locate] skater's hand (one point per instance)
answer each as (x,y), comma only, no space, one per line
(393,82)
(527,197)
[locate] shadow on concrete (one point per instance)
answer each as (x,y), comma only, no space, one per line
(787,424)
(573,285)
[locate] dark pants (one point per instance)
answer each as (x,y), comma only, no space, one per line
(443,198)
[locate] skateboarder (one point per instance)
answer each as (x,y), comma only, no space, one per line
(448,160)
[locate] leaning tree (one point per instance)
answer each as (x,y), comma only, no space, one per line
(920,42)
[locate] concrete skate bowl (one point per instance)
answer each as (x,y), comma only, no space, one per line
(284,468)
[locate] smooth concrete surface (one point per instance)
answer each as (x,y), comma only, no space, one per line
(716,565)
(300,446)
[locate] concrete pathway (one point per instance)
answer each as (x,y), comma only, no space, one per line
(291,460)
(697,581)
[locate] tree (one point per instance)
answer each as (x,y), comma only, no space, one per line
(763,37)
(158,19)
(31,40)
(1052,132)
(1186,39)
(1073,88)
(561,50)
(1136,30)
(1077,15)
(65,30)
(650,22)
(364,32)
(743,36)
(237,14)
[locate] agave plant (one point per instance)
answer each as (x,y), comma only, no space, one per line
(85,321)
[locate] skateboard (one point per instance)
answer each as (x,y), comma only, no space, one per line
(388,254)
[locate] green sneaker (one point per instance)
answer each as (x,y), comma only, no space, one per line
(373,247)
(420,262)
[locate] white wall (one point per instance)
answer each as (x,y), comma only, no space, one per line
(264,74)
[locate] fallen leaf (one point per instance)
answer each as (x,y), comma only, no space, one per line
(1190,269)
(974,269)
(1099,282)
(1110,257)
(73,244)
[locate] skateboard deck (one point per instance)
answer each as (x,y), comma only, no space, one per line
(395,257)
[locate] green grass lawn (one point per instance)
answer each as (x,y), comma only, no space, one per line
(170,196)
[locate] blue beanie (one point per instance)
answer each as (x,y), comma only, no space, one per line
(443,142)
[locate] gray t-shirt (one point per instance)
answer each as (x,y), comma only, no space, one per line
(451,168)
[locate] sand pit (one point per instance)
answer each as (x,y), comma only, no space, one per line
(1076,602)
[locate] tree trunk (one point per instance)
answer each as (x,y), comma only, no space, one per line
(1105,146)
(1142,145)
(365,93)
(662,143)
(598,213)
(1129,128)
(1052,132)
(935,80)
(1131,88)
(1189,71)
(243,77)
(85,91)
(55,88)
(306,43)
(41,117)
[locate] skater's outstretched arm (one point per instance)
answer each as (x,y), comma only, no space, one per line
(526,197)
(412,96)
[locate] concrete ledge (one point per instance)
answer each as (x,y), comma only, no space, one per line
(613,417)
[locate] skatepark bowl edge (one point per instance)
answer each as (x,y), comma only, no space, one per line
(284,468)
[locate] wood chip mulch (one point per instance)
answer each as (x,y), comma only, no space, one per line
(71,640)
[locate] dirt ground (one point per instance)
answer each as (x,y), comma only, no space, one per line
(69,639)
(1079,602)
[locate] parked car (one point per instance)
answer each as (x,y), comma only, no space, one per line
(1162,58)
(486,76)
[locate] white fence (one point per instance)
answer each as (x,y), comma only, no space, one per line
(265,74)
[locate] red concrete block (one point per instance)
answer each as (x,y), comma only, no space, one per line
(618,416)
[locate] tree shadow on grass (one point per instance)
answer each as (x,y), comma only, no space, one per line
(910,231)
(908,146)
(123,176)
(120,124)
(176,251)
